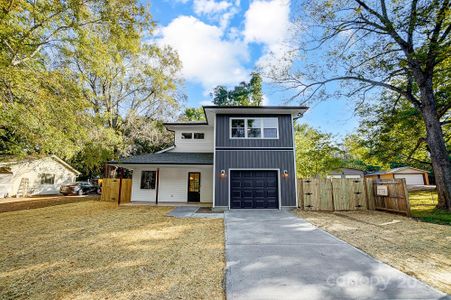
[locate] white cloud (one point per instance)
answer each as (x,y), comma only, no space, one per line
(268,23)
(265,101)
(210,6)
(207,57)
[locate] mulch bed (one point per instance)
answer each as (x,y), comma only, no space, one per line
(42,202)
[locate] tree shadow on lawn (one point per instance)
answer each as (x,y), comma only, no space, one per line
(96,250)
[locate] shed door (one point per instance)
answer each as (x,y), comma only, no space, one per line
(412,179)
(253,189)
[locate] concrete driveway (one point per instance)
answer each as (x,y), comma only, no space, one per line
(273,254)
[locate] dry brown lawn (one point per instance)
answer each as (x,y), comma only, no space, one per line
(420,249)
(95,250)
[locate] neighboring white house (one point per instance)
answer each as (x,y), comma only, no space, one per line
(43,176)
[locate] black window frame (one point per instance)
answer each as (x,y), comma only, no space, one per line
(187,133)
(197,134)
(148,183)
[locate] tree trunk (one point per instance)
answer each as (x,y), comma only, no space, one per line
(439,154)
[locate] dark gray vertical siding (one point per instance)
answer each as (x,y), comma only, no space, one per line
(270,159)
(223,139)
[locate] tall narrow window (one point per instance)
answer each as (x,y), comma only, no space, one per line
(148,180)
(254,128)
(270,126)
(238,128)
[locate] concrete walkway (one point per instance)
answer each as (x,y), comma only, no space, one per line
(275,255)
(191,212)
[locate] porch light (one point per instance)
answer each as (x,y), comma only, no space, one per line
(222,173)
(285,173)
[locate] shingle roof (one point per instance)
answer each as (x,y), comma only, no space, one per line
(169,158)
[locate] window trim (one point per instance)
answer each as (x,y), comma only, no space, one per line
(45,176)
(261,128)
(141,179)
(192,135)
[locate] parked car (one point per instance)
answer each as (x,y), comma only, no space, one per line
(79,188)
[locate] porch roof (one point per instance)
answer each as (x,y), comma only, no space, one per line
(168,158)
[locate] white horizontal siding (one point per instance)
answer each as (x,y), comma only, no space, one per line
(139,194)
(32,171)
(173,185)
(193,145)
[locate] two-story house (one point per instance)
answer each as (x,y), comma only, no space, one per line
(240,157)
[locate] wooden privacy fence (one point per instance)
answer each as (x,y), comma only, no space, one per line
(111,188)
(389,195)
(352,194)
(332,194)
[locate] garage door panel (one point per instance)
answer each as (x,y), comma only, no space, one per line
(411,179)
(254,189)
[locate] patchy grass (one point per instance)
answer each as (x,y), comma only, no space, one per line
(422,206)
(14,204)
(96,250)
(416,248)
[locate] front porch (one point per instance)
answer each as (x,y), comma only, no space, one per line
(170,178)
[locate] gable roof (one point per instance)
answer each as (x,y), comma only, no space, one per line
(168,158)
(396,170)
(54,157)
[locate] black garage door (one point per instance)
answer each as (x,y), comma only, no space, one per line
(253,189)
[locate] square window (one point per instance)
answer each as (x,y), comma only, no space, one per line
(148,180)
(199,136)
(187,135)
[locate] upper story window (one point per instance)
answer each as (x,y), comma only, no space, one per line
(190,135)
(199,136)
(187,135)
(254,128)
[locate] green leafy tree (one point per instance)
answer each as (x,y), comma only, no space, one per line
(194,114)
(369,46)
(244,94)
(316,153)
(77,80)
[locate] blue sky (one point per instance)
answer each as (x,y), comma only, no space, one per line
(221,41)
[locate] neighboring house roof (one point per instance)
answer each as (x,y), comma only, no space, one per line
(349,171)
(168,158)
(54,157)
(397,170)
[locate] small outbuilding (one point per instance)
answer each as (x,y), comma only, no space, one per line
(346,173)
(413,176)
(35,176)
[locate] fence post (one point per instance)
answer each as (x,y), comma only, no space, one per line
(332,193)
(406,196)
